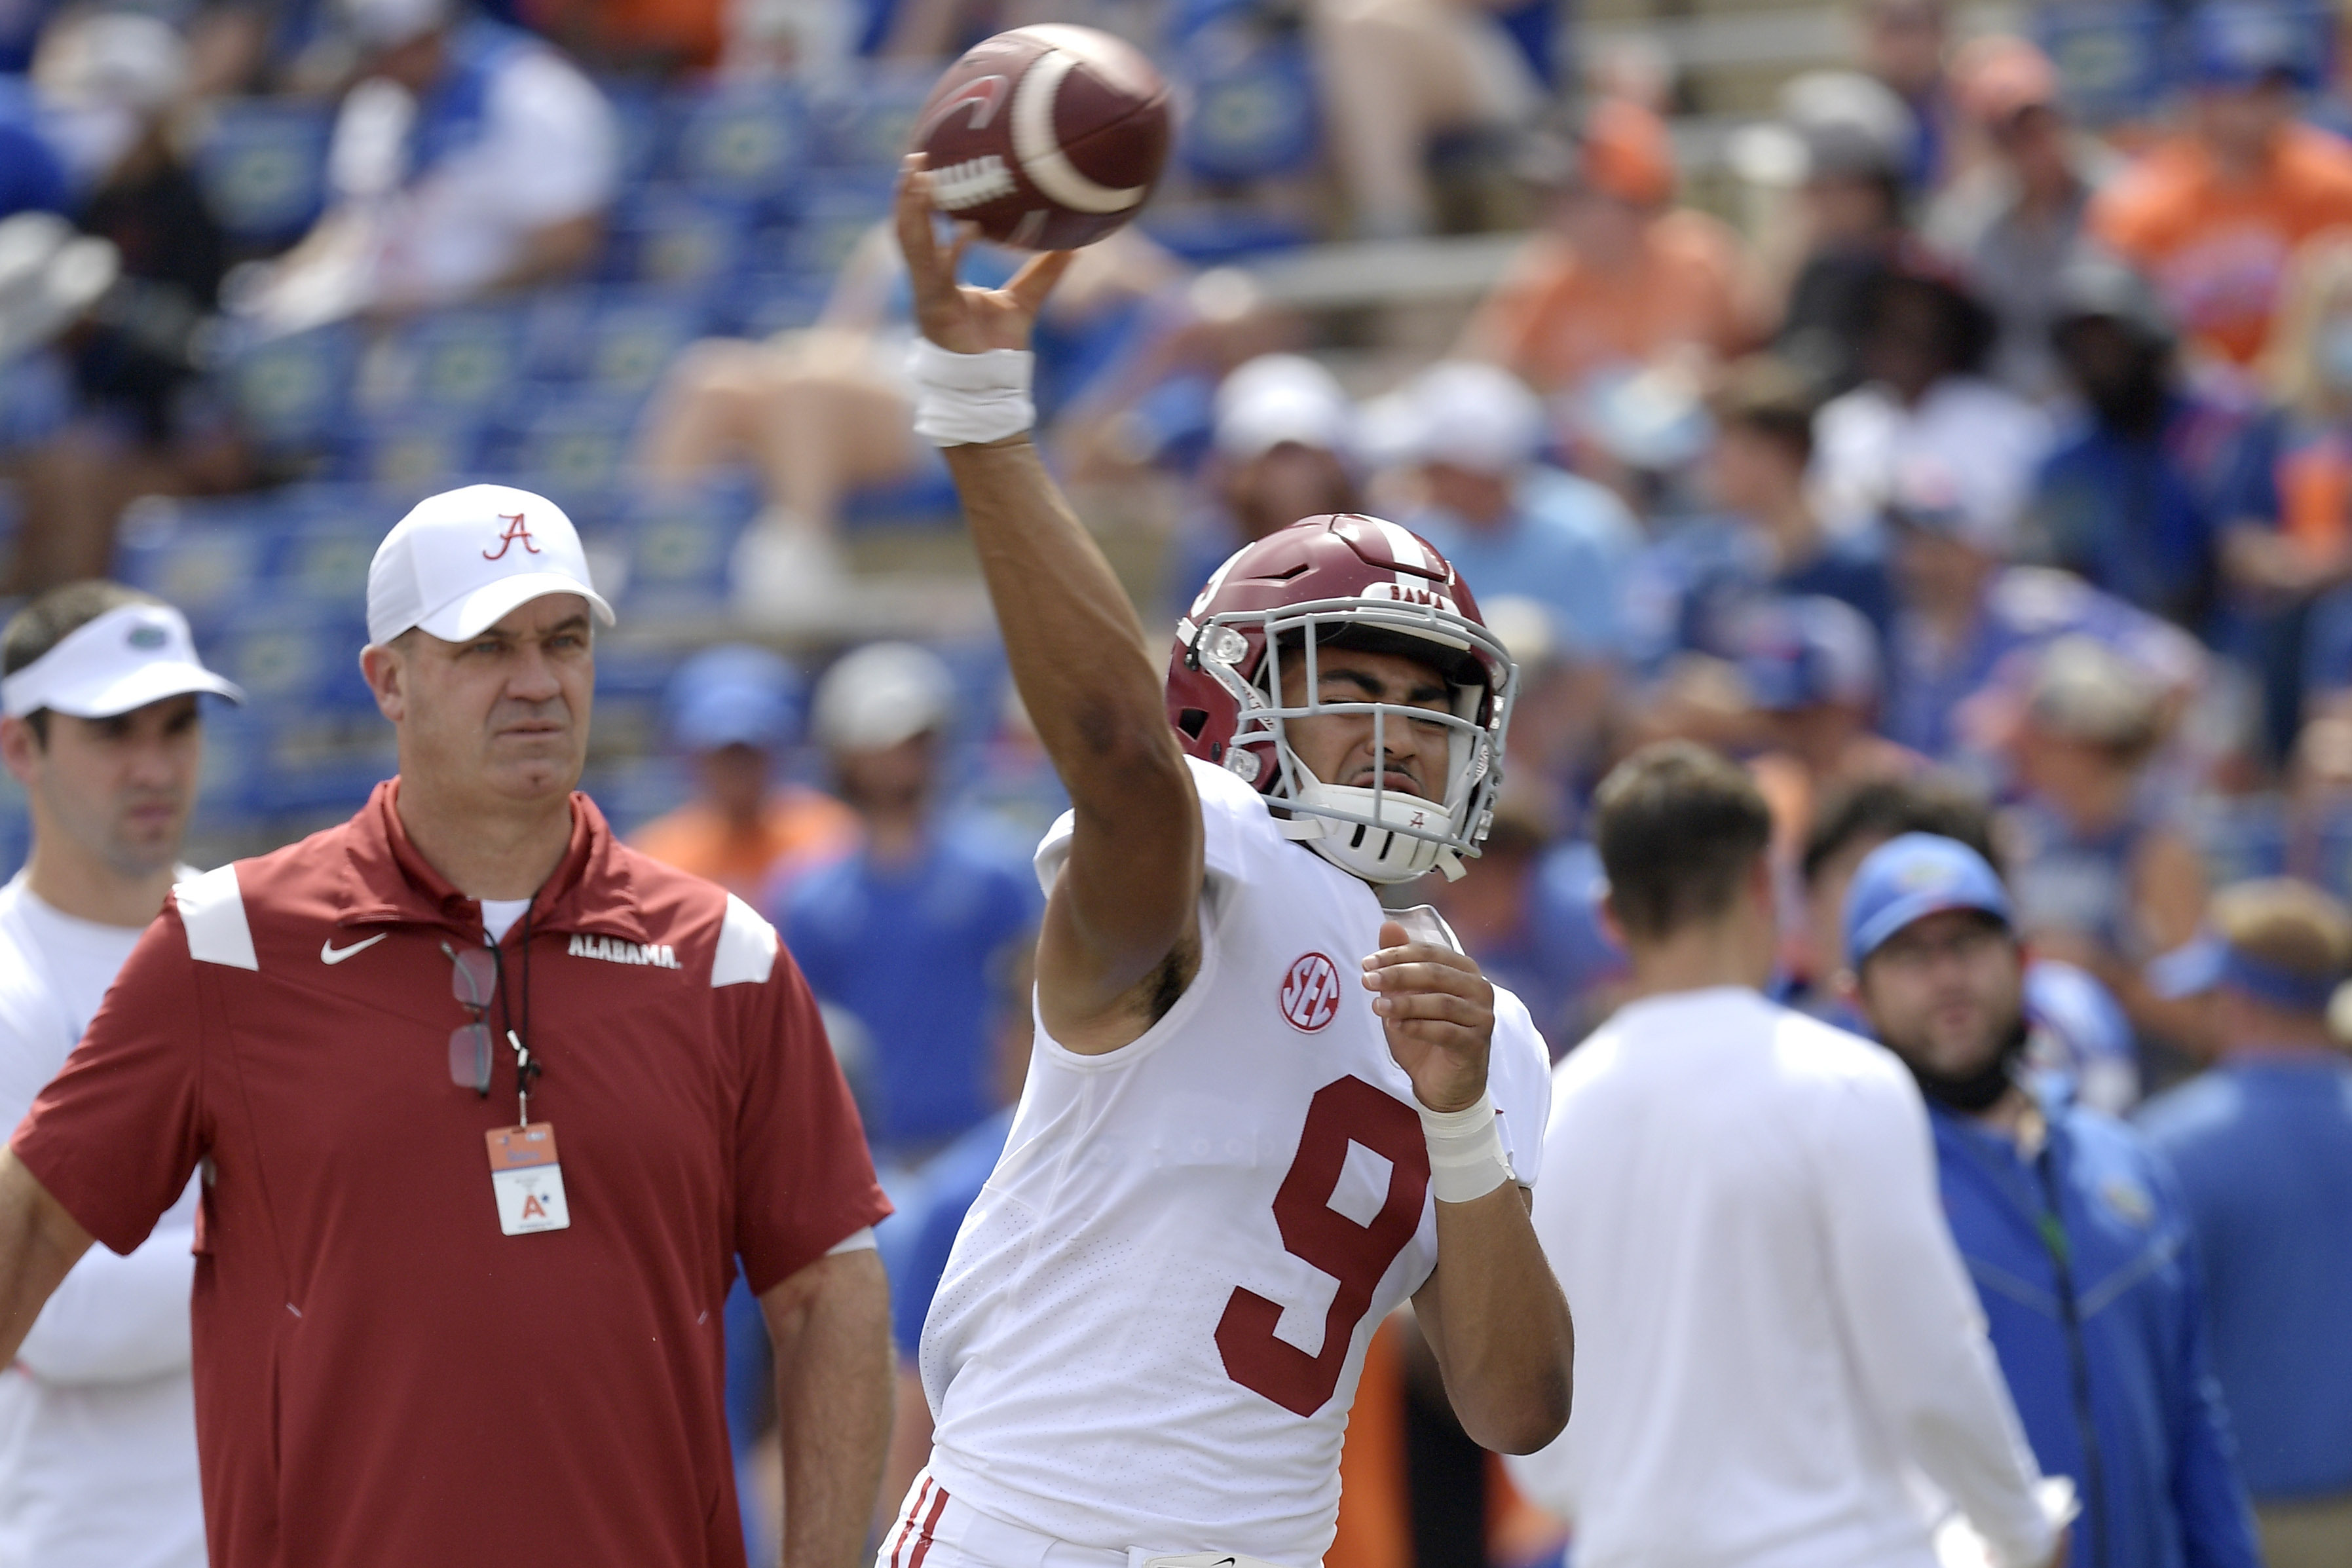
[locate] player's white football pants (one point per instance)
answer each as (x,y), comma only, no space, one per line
(936,1531)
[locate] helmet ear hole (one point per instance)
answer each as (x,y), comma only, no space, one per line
(1192,721)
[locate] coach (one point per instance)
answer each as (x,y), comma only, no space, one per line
(487,1105)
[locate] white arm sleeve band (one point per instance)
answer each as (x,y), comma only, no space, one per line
(970,399)
(855,1241)
(1465,1151)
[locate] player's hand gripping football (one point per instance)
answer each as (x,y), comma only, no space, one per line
(959,317)
(1438,1013)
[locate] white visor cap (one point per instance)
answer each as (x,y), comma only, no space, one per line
(461,561)
(131,655)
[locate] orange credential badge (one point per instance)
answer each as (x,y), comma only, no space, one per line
(526,1179)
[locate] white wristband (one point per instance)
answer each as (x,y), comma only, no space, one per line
(1465,1151)
(967,399)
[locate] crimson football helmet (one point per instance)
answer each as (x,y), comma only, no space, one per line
(1352,582)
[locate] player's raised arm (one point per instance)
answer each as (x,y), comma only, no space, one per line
(1119,941)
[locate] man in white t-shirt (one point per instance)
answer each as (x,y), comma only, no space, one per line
(469,159)
(97,1437)
(1783,1363)
(1262,1111)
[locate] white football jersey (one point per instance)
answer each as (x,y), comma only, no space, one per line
(1149,1332)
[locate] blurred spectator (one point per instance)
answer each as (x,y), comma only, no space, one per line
(824,411)
(2287,505)
(2074,1234)
(1282,449)
(2012,221)
(32,175)
(1767,538)
(468,159)
(734,711)
(1965,623)
(1903,45)
(143,422)
(1923,346)
(2104,878)
(2263,1146)
(1802,1156)
(1812,668)
(2130,494)
(1845,139)
(2213,212)
(912,931)
(1508,910)
(1400,73)
(2080,1046)
(1474,433)
(50,278)
(1853,820)
(1618,276)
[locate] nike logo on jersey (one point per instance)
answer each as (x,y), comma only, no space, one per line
(329,953)
(612,950)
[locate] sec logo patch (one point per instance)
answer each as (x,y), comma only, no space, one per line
(1310,992)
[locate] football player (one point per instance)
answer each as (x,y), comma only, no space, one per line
(1263,1109)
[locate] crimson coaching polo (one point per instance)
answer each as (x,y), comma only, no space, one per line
(384,1377)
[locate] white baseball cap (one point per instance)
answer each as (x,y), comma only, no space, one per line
(883,693)
(464,559)
(1467,415)
(1279,398)
(131,655)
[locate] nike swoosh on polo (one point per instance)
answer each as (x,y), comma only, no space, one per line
(329,953)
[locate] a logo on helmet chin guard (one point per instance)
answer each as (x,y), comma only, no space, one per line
(1310,992)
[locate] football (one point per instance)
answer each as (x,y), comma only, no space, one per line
(1045,137)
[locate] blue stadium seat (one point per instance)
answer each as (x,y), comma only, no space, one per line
(1253,110)
(761,304)
(744,143)
(2111,58)
(669,235)
(829,216)
(567,443)
(640,117)
(448,364)
(262,163)
(614,340)
(679,545)
(330,536)
(870,122)
(293,655)
(203,557)
(411,453)
(291,391)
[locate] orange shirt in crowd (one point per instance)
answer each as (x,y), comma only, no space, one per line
(2218,248)
(688,33)
(800,825)
(1555,321)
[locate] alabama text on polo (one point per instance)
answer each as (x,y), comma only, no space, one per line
(384,1374)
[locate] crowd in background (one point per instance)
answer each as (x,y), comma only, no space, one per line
(1975,462)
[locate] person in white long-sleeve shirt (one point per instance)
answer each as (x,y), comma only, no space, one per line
(1780,1360)
(99,722)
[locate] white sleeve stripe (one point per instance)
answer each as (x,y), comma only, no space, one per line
(747,947)
(859,1240)
(212,908)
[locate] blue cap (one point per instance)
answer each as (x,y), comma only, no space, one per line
(1911,877)
(734,695)
(2207,962)
(2245,45)
(1801,651)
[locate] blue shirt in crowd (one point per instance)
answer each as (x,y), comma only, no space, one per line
(1687,591)
(2140,516)
(2263,1149)
(1567,545)
(2168,1494)
(915,952)
(32,176)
